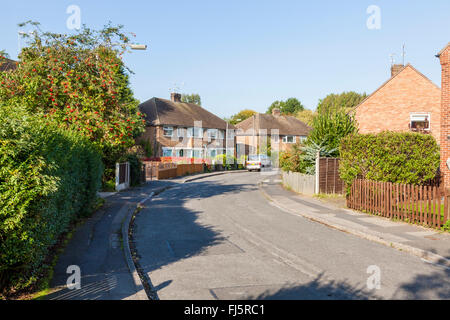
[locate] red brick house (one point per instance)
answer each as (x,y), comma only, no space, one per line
(408,101)
(281,131)
(8,65)
(444,57)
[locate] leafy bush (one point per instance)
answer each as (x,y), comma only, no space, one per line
(135,168)
(398,157)
(48,177)
(329,129)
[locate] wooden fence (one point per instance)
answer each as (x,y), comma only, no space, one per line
(166,170)
(425,205)
(329,180)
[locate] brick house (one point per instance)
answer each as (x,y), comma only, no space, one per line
(177,129)
(282,132)
(408,101)
(444,58)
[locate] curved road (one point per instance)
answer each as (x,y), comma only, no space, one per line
(220,238)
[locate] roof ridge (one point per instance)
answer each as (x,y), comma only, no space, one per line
(442,51)
(389,80)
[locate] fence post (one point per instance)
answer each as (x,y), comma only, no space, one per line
(317,186)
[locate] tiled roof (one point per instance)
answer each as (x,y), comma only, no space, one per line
(8,65)
(286,125)
(166,112)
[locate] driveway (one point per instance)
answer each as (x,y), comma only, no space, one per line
(220,238)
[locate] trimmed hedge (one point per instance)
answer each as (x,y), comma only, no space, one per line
(48,178)
(398,157)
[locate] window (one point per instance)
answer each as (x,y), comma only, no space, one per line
(419,121)
(289,139)
(275,138)
(197,154)
(212,133)
(181,132)
(222,134)
(195,132)
(167,152)
(168,131)
(302,138)
(180,153)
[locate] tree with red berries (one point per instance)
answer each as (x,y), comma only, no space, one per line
(79,81)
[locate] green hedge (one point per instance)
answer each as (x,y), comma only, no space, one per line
(398,157)
(48,178)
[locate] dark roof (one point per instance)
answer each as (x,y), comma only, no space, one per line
(442,51)
(166,112)
(286,125)
(390,79)
(8,65)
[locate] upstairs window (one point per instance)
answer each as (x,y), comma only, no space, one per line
(181,132)
(195,132)
(212,133)
(289,139)
(168,131)
(419,121)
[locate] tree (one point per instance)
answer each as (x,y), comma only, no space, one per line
(80,82)
(306,116)
(191,98)
(337,102)
(289,107)
(241,116)
(328,130)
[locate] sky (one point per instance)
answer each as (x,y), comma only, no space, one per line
(246,54)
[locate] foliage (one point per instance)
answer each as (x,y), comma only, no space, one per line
(306,116)
(48,177)
(135,168)
(398,157)
(191,98)
(344,102)
(289,107)
(328,129)
(80,82)
(241,116)
(302,158)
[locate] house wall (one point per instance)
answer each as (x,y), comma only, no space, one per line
(251,143)
(155,134)
(389,108)
(445,115)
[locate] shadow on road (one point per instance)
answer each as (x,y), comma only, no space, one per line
(168,231)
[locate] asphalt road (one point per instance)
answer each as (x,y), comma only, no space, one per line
(220,238)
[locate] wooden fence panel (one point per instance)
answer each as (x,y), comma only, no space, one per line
(411,203)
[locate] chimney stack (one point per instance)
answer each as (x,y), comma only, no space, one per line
(276,112)
(175,97)
(395,69)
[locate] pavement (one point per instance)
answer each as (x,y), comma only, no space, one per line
(430,244)
(234,236)
(97,247)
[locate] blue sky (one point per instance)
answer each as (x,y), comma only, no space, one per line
(246,54)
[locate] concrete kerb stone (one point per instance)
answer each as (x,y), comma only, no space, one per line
(207,175)
(139,278)
(425,255)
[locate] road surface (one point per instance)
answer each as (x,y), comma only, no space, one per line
(220,238)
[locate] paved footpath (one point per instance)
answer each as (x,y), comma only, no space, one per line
(430,244)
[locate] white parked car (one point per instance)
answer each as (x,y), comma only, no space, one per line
(256,162)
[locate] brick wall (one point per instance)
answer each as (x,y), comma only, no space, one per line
(445,114)
(389,108)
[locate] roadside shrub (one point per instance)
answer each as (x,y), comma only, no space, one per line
(398,157)
(48,177)
(135,168)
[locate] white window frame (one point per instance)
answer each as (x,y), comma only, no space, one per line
(275,138)
(191,132)
(285,139)
(211,132)
(168,128)
(426,115)
(181,132)
(167,149)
